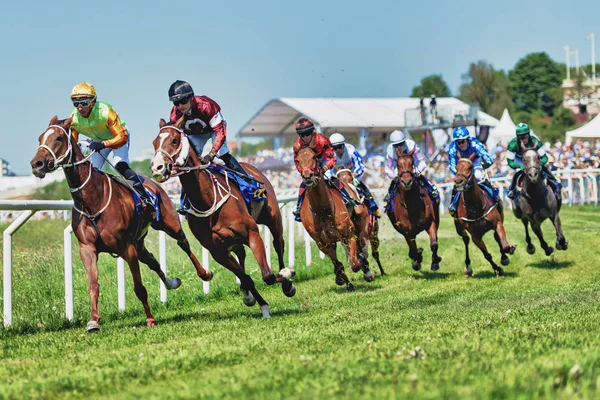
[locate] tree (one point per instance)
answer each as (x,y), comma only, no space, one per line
(432,84)
(532,82)
(487,87)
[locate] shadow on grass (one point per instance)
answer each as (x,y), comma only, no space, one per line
(358,287)
(492,274)
(431,275)
(551,264)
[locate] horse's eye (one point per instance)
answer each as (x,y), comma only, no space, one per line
(175,141)
(59,139)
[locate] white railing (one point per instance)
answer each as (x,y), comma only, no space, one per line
(579,187)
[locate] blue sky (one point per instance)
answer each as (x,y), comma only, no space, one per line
(244,53)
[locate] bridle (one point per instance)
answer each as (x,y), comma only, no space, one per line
(467,184)
(181,154)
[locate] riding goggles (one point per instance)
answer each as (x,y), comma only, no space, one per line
(83,103)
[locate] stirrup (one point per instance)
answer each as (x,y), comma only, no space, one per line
(296,212)
(183,211)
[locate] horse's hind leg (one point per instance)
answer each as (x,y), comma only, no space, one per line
(172,227)
(148,258)
(131,256)
(479,243)
(374,238)
(89,258)
(504,260)
(561,241)
(257,246)
(465,237)
(530,246)
(537,229)
(435,259)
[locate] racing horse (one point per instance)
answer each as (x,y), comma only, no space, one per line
(369,223)
(219,217)
(412,211)
(328,221)
(536,202)
(105,218)
(477,213)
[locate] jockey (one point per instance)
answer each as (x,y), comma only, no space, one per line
(321,145)
(203,121)
(98,121)
(347,157)
(463,145)
(398,140)
(514,153)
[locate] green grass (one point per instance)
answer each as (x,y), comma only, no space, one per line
(407,335)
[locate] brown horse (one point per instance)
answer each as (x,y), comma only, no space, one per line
(413,211)
(219,217)
(365,222)
(104,216)
(327,219)
(477,213)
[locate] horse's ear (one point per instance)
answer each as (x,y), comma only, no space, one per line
(53,120)
(162,123)
(179,123)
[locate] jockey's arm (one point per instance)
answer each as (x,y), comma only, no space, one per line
(118,131)
(482,152)
(419,161)
(511,155)
(452,158)
(219,126)
(358,166)
(390,167)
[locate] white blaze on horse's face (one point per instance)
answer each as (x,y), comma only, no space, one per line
(160,165)
(531,162)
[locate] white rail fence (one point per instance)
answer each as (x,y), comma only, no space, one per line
(579,187)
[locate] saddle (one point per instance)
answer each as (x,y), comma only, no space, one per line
(140,207)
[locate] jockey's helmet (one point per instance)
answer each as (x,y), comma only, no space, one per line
(523,129)
(304,127)
(397,137)
(460,133)
(337,139)
(83,90)
(180,90)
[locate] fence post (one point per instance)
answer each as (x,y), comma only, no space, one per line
(162,249)
(205,285)
(121,283)
(291,239)
(307,241)
(267,241)
(68,254)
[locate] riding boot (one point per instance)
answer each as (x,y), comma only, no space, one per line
(492,189)
(369,196)
(513,184)
(555,183)
(184,203)
(133,178)
(296,212)
(232,163)
(430,186)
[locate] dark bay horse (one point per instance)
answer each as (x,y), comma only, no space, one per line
(368,223)
(413,211)
(327,219)
(104,216)
(220,219)
(477,213)
(536,202)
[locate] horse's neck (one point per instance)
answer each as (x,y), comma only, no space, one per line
(77,176)
(534,190)
(195,181)
(319,196)
(412,197)
(474,196)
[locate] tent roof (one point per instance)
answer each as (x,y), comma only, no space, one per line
(504,131)
(347,115)
(589,130)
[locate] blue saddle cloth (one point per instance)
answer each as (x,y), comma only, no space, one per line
(251,190)
(138,203)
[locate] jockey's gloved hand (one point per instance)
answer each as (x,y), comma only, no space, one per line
(97,146)
(486,165)
(207,159)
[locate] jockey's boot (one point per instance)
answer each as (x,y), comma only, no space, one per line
(184,203)
(491,187)
(232,163)
(512,188)
(430,186)
(348,200)
(369,196)
(296,211)
(453,203)
(554,183)
(135,181)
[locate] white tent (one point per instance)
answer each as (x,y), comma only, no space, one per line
(589,130)
(503,132)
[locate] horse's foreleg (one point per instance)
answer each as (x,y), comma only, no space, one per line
(148,258)
(351,244)
(414,253)
(465,237)
(338,268)
(479,243)
(504,260)
(257,246)
(561,241)
(89,258)
(131,256)
(374,238)
(537,229)
(433,244)
(276,228)
(530,246)
(506,248)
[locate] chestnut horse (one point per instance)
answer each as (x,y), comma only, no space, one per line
(537,202)
(365,221)
(104,216)
(219,217)
(477,213)
(327,219)
(413,211)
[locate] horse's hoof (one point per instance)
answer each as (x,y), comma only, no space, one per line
(561,246)
(435,267)
(92,326)
(208,277)
(150,322)
(270,279)
(265,311)
(173,283)
(248,298)
(530,249)
(369,276)
(468,270)
(416,265)
(499,272)
(287,273)
(511,249)
(505,260)
(549,250)
(350,287)
(289,292)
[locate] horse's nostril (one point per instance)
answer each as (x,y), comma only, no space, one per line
(159,167)
(38,164)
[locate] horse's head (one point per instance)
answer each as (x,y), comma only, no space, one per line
(406,170)
(344,175)
(309,167)
(464,173)
(171,147)
(532,164)
(55,149)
